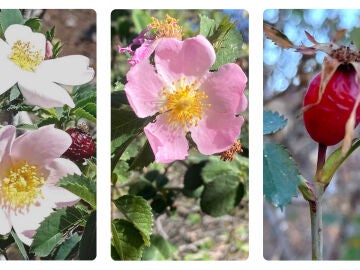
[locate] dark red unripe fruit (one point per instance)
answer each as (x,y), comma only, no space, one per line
(82,147)
(326,121)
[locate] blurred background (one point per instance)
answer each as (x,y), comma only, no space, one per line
(192,234)
(286,77)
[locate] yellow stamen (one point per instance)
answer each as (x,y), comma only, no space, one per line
(24,55)
(20,186)
(184,104)
(167,28)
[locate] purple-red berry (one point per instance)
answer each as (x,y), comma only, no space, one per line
(82,147)
(325,121)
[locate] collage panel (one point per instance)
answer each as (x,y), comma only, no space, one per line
(47,134)
(311,111)
(179,135)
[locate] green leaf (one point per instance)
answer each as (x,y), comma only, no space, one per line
(50,34)
(14,93)
(155,176)
(82,94)
(80,186)
(126,240)
(90,99)
(34,24)
(142,188)
(193,179)
(9,17)
(334,161)
(217,168)
(48,121)
(143,158)
(281,176)
(118,98)
(226,40)
(141,19)
(67,247)
(121,171)
(125,127)
(26,127)
(160,249)
(138,212)
(207,26)
(52,230)
(223,189)
(273,122)
(20,245)
(87,113)
(88,241)
(221,196)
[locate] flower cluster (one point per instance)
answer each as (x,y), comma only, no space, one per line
(31,164)
(187,98)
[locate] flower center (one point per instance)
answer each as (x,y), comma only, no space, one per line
(21,186)
(167,28)
(184,103)
(24,55)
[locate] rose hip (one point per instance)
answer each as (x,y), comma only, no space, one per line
(325,121)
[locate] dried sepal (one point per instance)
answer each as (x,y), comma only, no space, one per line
(277,36)
(323,47)
(350,124)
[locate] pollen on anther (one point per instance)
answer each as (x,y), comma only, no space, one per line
(25,56)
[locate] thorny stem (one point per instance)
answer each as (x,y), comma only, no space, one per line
(316,208)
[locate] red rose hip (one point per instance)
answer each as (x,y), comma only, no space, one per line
(82,147)
(325,121)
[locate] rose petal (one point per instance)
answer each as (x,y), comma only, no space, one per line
(67,70)
(9,75)
(5,226)
(58,197)
(143,52)
(43,93)
(27,222)
(7,136)
(217,132)
(225,89)
(191,57)
(167,144)
(4,50)
(60,168)
(41,146)
(24,33)
(143,89)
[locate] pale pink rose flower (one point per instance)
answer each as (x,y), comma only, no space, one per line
(23,62)
(189,99)
(30,167)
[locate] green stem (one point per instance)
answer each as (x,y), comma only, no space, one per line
(316,223)
(316,208)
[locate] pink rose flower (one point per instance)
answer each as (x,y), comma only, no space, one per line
(30,167)
(188,98)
